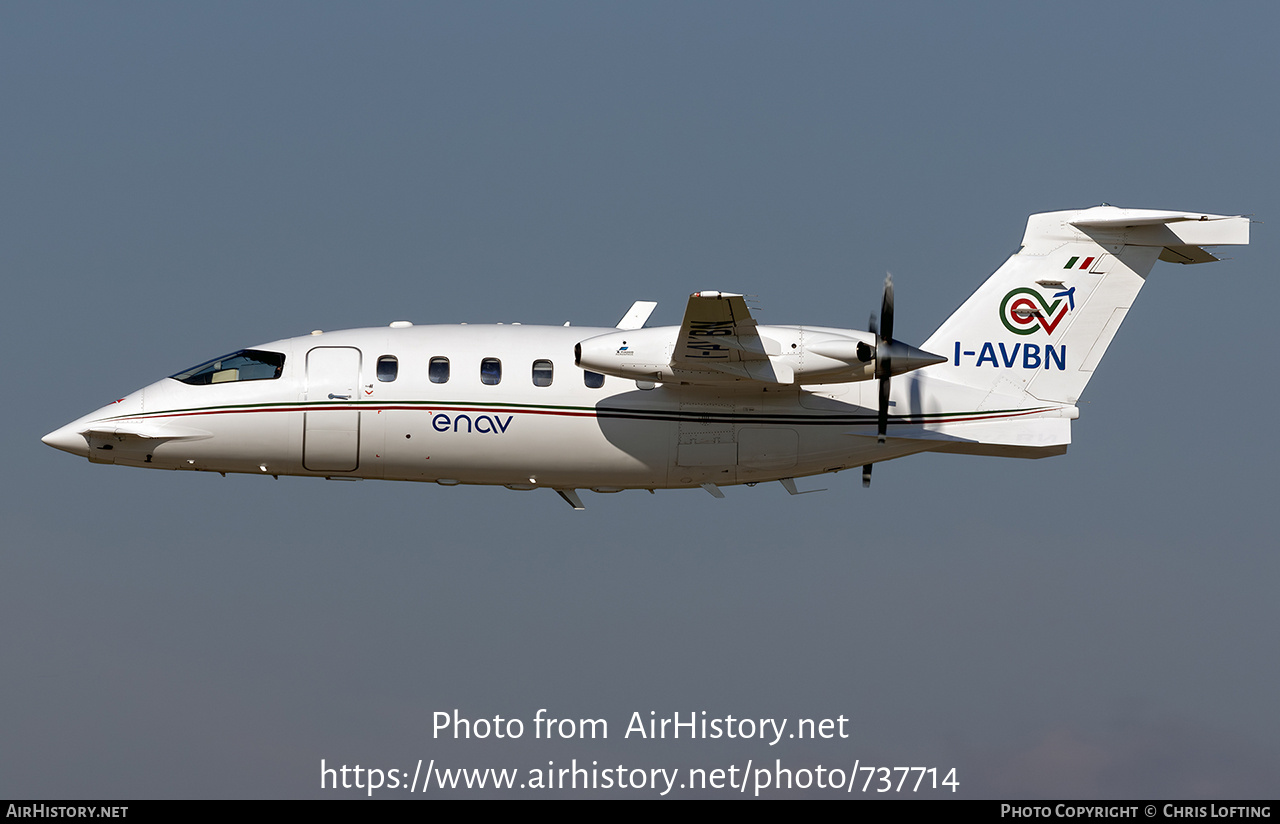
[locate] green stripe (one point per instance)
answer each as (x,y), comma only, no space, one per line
(357,403)
(783,418)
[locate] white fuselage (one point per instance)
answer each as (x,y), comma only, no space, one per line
(329,414)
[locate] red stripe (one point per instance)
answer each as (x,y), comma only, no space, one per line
(970,417)
(355,409)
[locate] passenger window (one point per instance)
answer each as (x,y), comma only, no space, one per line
(388,366)
(593,380)
(543,372)
(438,370)
(491,371)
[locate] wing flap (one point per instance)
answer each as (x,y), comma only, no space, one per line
(765,371)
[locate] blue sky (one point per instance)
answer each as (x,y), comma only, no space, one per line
(181,181)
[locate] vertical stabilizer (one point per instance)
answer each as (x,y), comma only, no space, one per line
(1043,321)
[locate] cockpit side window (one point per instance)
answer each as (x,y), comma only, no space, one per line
(245,365)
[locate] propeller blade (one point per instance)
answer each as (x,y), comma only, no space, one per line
(883,424)
(884,356)
(886,350)
(886,309)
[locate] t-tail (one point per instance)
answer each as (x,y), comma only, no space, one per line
(1036,330)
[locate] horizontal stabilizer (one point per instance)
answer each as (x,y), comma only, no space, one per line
(1180,234)
(1187,254)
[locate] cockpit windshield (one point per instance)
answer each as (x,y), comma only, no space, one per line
(245,365)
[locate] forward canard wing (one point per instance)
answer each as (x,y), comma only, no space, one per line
(129,441)
(637,316)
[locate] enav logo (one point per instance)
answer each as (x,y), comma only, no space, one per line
(1024,310)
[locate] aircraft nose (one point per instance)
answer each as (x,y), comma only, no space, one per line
(68,440)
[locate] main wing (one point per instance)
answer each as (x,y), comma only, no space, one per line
(719,334)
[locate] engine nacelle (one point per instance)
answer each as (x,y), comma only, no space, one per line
(791,355)
(637,354)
